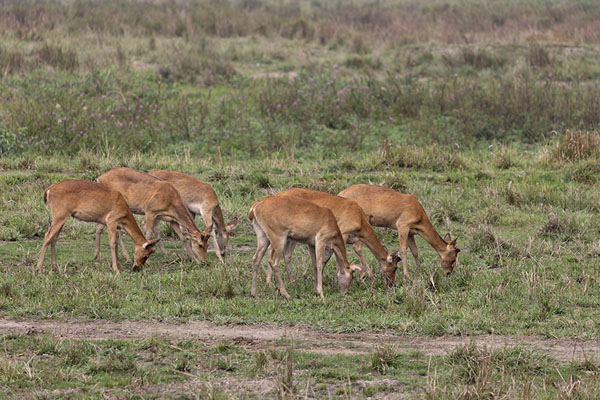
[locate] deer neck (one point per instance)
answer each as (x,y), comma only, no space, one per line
(218,220)
(132,228)
(369,238)
(428,232)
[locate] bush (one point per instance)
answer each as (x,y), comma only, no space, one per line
(576,146)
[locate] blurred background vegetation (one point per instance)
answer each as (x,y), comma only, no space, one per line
(307,78)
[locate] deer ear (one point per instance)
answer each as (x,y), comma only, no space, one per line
(454,242)
(204,235)
(151,243)
(447,238)
(231,225)
(355,268)
(394,257)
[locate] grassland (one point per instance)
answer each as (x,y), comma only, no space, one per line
(487,112)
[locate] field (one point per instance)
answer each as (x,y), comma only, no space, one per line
(487,111)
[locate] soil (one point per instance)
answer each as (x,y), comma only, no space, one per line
(306,339)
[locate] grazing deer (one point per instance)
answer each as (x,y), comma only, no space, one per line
(355,229)
(159,200)
(200,198)
(390,209)
(89,201)
(277,220)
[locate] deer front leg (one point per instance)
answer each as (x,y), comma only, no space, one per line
(122,246)
(313,259)
(274,256)
(186,242)
(262,244)
(99,229)
(161,246)
(112,239)
(207,216)
(412,245)
(403,232)
(287,258)
(151,226)
(321,255)
(358,249)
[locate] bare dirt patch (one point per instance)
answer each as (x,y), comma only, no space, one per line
(260,336)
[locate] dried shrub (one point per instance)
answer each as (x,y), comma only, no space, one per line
(11,61)
(58,57)
(538,57)
(576,146)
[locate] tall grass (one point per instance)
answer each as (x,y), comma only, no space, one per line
(124,112)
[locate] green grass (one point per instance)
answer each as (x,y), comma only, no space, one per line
(46,367)
(528,264)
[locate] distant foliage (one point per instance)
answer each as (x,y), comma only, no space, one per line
(124,112)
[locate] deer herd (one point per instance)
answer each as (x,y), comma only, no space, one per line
(324,222)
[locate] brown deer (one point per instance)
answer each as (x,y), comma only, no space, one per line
(158,200)
(355,229)
(277,220)
(390,209)
(200,198)
(91,202)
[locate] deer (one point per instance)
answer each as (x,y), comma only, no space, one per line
(158,200)
(200,198)
(388,208)
(355,229)
(92,202)
(279,220)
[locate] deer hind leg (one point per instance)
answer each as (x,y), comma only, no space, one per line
(112,240)
(412,245)
(403,231)
(287,257)
(262,244)
(49,237)
(274,256)
(53,249)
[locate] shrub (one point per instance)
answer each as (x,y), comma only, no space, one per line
(575,146)
(57,57)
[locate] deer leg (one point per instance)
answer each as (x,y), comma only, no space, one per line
(274,256)
(186,242)
(122,246)
(53,249)
(403,232)
(320,256)
(287,257)
(112,240)
(151,225)
(207,217)
(161,246)
(313,258)
(55,227)
(412,245)
(262,244)
(358,249)
(99,229)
